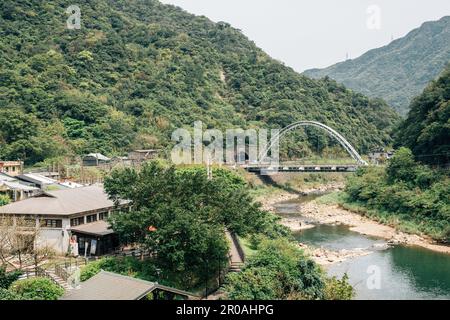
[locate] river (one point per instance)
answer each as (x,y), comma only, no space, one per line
(399,272)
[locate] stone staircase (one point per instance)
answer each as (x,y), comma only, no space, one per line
(235,267)
(236,254)
(50,273)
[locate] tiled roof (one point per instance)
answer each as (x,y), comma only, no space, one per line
(98,228)
(62,202)
(111,286)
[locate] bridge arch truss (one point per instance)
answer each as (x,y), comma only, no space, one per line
(333,133)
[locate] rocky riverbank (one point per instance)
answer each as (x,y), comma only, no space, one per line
(269,202)
(326,257)
(313,213)
(322,256)
(333,214)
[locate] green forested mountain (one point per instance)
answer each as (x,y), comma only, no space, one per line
(426,130)
(138,69)
(399,71)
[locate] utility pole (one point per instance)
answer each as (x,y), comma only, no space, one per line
(21,166)
(81,170)
(209,169)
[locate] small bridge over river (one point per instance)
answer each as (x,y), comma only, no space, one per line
(301,168)
(262,167)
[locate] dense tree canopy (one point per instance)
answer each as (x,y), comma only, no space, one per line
(398,71)
(280,270)
(426,131)
(138,69)
(405,193)
(182,215)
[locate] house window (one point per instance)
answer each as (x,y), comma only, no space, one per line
(52,223)
(103,215)
(28,222)
(91,218)
(76,221)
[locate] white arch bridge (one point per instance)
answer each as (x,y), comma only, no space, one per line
(268,167)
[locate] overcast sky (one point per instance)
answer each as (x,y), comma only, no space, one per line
(316,33)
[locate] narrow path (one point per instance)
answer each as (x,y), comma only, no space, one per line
(236,263)
(236,258)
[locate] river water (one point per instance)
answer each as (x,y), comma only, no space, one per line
(399,272)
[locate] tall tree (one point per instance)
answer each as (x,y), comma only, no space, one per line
(426,130)
(181,215)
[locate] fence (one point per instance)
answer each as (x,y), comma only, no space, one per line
(133,253)
(63,269)
(42,273)
(62,272)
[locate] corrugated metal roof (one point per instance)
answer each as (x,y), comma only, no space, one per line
(5,177)
(18,186)
(98,156)
(70,184)
(37,178)
(62,202)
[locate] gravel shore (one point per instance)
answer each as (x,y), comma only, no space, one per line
(316,213)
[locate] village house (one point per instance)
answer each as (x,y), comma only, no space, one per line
(95,160)
(379,156)
(16,189)
(121,161)
(71,220)
(45,183)
(142,155)
(12,168)
(38,180)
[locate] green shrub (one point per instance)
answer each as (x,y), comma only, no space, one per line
(445,236)
(128,266)
(253,284)
(411,196)
(402,166)
(8,295)
(336,289)
(91,270)
(4,200)
(278,270)
(6,278)
(37,289)
(254,240)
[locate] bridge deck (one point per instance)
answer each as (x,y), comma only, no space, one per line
(303,168)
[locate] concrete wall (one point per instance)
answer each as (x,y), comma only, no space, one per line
(55,238)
